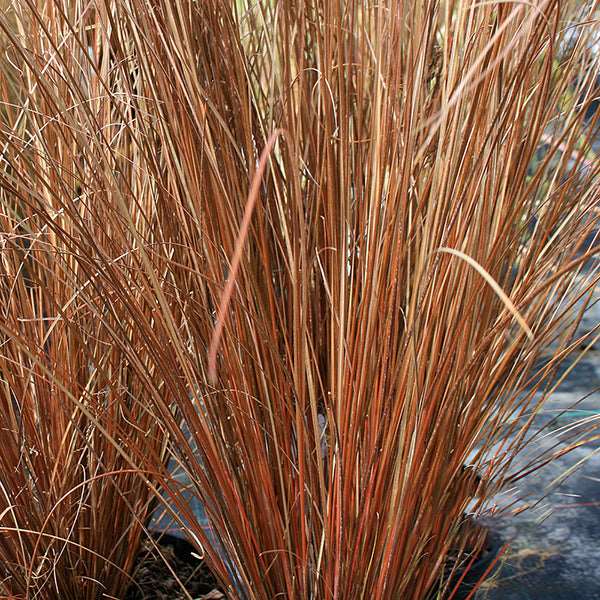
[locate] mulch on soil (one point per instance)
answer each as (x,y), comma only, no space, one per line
(153,580)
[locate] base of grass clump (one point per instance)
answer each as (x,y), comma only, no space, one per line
(163,565)
(476,565)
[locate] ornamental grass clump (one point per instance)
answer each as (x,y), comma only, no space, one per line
(73,505)
(320,257)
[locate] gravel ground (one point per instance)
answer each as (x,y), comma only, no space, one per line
(554,551)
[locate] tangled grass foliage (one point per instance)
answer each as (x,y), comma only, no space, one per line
(310,250)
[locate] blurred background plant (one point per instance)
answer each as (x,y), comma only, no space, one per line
(306,246)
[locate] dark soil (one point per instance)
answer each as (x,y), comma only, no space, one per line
(485,558)
(153,580)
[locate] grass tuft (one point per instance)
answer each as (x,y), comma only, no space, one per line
(317,248)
